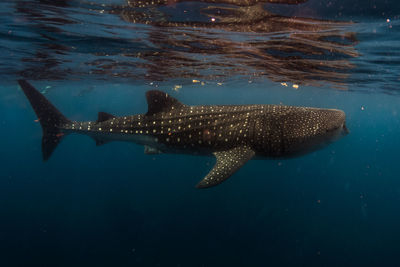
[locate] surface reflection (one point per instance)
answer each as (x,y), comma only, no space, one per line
(207,39)
(298,50)
(147,3)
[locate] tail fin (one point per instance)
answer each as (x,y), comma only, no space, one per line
(49,117)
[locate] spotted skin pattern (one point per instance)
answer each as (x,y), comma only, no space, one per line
(270,130)
(228,162)
(234,134)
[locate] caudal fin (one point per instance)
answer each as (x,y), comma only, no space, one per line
(49,117)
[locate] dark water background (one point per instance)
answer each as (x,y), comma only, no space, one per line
(114,206)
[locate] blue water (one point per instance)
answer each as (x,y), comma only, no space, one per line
(113,205)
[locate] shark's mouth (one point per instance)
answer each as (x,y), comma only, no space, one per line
(345,130)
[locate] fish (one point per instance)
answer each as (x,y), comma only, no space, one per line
(233,134)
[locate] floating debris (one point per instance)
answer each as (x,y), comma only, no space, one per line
(44,91)
(177,88)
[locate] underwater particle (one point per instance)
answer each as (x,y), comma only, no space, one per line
(177,87)
(284,84)
(202,83)
(195,81)
(44,91)
(219,84)
(213,19)
(362,108)
(295,86)
(319,201)
(387,20)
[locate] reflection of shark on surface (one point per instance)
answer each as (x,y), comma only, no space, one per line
(234,134)
(298,50)
(146,3)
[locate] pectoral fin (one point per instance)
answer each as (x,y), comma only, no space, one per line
(228,162)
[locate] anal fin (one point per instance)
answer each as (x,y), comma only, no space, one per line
(228,162)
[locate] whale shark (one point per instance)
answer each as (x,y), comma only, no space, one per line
(233,134)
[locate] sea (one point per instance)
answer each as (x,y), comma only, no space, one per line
(114,205)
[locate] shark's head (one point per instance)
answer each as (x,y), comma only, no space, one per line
(330,125)
(310,128)
(333,123)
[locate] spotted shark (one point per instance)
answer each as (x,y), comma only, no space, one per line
(234,134)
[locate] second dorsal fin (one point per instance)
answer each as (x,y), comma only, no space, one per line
(159,101)
(103,116)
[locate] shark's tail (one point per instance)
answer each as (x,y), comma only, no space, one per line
(50,118)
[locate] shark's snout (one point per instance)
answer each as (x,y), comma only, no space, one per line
(345,130)
(335,121)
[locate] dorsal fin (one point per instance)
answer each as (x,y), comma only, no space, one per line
(159,101)
(103,116)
